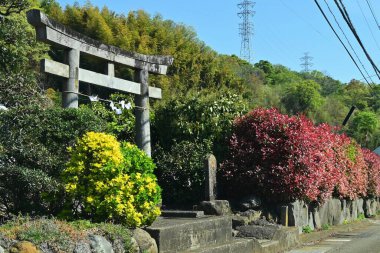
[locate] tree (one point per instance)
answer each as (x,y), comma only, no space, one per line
(302,97)
(19,56)
(363,126)
(8,7)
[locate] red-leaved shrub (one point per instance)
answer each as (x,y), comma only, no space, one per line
(349,158)
(373,163)
(286,158)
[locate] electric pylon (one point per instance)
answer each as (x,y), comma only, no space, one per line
(306,62)
(246,28)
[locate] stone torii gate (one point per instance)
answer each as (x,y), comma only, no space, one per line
(74,43)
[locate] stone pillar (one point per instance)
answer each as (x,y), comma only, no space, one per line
(210,178)
(142,124)
(71,87)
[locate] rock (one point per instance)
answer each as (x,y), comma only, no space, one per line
(317,219)
(82,247)
(45,248)
(134,246)
(238,221)
(263,222)
(311,221)
(367,208)
(216,207)
(252,215)
(298,214)
(99,244)
(250,202)
(334,212)
(24,247)
(258,232)
(145,241)
(118,246)
(354,210)
(374,206)
(2,250)
(360,206)
(6,243)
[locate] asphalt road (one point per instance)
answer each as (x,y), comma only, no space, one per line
(363,239)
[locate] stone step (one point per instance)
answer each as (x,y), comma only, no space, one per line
(182,214)
(181,234)
(237,245)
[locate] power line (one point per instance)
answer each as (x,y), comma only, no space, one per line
(347,19)
(246,28)
(373,14)
(340,40)
(369,27)
(348,41)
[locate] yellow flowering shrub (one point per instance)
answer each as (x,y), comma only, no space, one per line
(106,180)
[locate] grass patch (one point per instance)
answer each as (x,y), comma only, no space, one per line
(361,217)
(326,227)
(307,229)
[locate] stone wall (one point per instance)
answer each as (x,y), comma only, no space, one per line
(332,212)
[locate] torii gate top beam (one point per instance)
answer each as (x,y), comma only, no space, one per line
(52,32)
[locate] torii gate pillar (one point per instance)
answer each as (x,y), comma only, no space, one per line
(142,123)
(71,86)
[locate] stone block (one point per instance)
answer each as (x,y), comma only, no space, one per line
(216,207)
(182,214)
(258,232)
(177,235)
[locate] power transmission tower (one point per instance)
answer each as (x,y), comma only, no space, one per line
(246,28)
(306,62)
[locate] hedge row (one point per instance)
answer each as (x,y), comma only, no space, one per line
(285,158)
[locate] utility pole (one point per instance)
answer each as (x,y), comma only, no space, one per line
(306,62)
(246,28)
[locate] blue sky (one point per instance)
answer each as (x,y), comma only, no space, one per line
(284,29)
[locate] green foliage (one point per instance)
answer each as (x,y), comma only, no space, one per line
(33,152)
(194,125)
(361,217)
(105,181)
(303,97)
(7,7)
(307,229)
(122,126)
(201,116)
(326,226)
(180,172)
(19,56)
(363,126)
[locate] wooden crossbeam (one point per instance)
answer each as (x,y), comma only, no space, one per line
(62,70)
